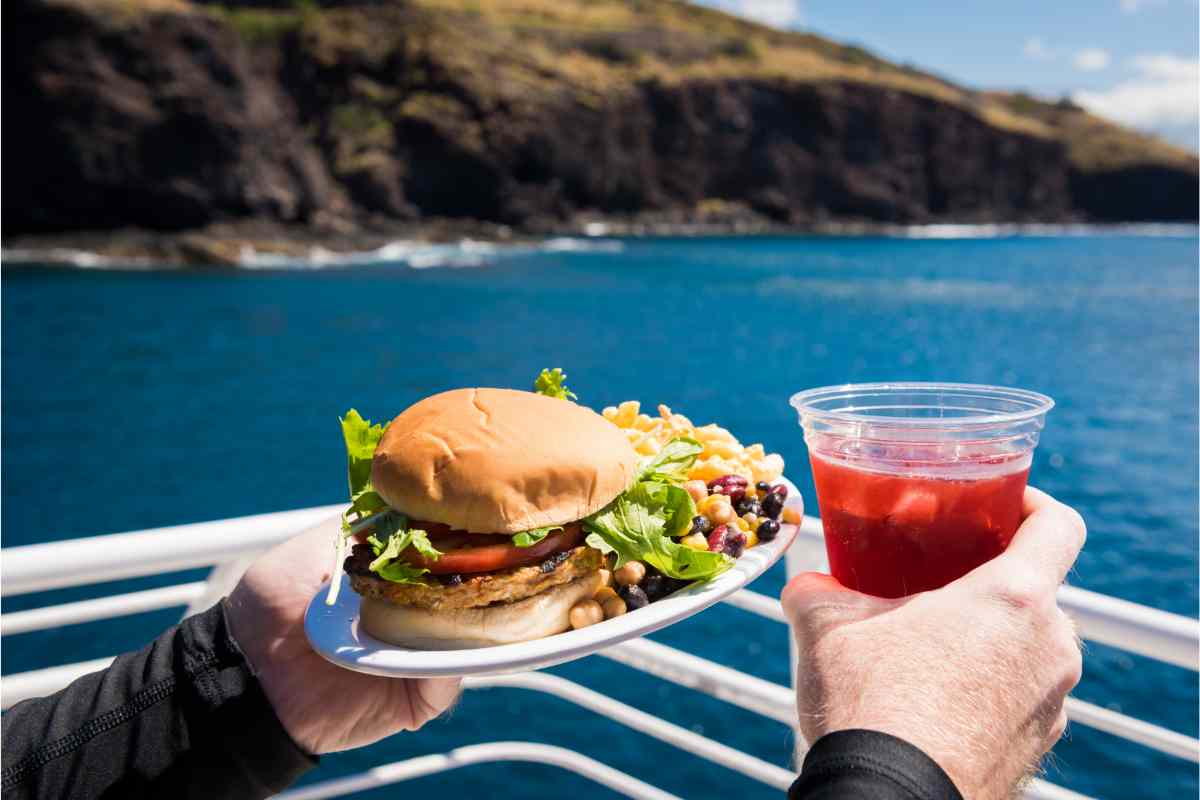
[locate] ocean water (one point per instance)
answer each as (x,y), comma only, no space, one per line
(140,399)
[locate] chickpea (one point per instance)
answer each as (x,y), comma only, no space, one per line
(584,613)
(631,573)
(605,577)
(697,489)
(721,513)
(791,516)
(613,607)
(604,594)
(751,520)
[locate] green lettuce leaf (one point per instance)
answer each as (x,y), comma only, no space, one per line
(672,462)
(638,525)
(361,440)
(392,537)
(531,537)
(550,383)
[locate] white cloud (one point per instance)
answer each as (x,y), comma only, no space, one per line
(1164,93)
(778,13)
(1036,49)
(1091,59)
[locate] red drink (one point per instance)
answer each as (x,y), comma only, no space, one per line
(892,535)
(918,483)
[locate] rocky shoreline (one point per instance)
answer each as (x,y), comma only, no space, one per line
(266,244)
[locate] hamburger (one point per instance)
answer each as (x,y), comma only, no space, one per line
(481,516)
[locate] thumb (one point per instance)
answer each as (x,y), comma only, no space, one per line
(815,603)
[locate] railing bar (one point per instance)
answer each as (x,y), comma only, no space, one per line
(74,562)
(1161,635)
(638,720)
(1039,789)
(479,754)
(1128,626)
(117,605)
(758,604)
(772,701)
(729,685)
(1134,730)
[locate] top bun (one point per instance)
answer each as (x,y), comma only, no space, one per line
(501,461)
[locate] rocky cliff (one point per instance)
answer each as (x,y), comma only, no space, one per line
(170,115)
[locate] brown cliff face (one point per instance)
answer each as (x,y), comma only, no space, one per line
(175,116)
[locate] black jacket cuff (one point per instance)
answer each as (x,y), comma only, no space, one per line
(870,765)
(239,714)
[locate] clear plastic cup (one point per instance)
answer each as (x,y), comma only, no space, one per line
(918,483)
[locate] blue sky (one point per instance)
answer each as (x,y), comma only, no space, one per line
(1132,60)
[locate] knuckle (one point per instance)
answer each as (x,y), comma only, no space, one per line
(1072,669)
(1022,592)
(1059,727)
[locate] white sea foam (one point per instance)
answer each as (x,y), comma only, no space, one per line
(1005,230)
(409,253)
(464,253)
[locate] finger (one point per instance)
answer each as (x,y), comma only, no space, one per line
(814,602)
(1047,543)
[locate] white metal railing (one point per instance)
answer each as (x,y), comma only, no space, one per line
(230,545)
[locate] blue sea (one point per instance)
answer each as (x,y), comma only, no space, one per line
(135,399)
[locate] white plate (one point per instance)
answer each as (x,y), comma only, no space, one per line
(334,631)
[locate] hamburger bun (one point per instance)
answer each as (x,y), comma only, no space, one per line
(501,461)
(534,617)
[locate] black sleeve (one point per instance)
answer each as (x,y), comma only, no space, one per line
(869,765)
(182,718)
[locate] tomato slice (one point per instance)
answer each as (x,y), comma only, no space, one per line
(467,553)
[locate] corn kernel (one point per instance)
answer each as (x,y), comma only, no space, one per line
(721,450)
(643,422)
(713,433)
(609,413)
(792,516)
(626,413)
(742,525)
(695,541)
(751,538)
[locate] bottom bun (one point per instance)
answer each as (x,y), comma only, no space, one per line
(534,617)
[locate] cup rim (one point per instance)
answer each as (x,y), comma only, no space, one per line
(1038,404)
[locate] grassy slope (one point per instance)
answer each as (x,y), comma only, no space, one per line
(518,52)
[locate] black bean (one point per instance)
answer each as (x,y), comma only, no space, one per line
(763,487)
(634,597)
(451,580)
(748,506)
(655,586)
(780,490)
(768,529)
(701,525)
(772,505)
